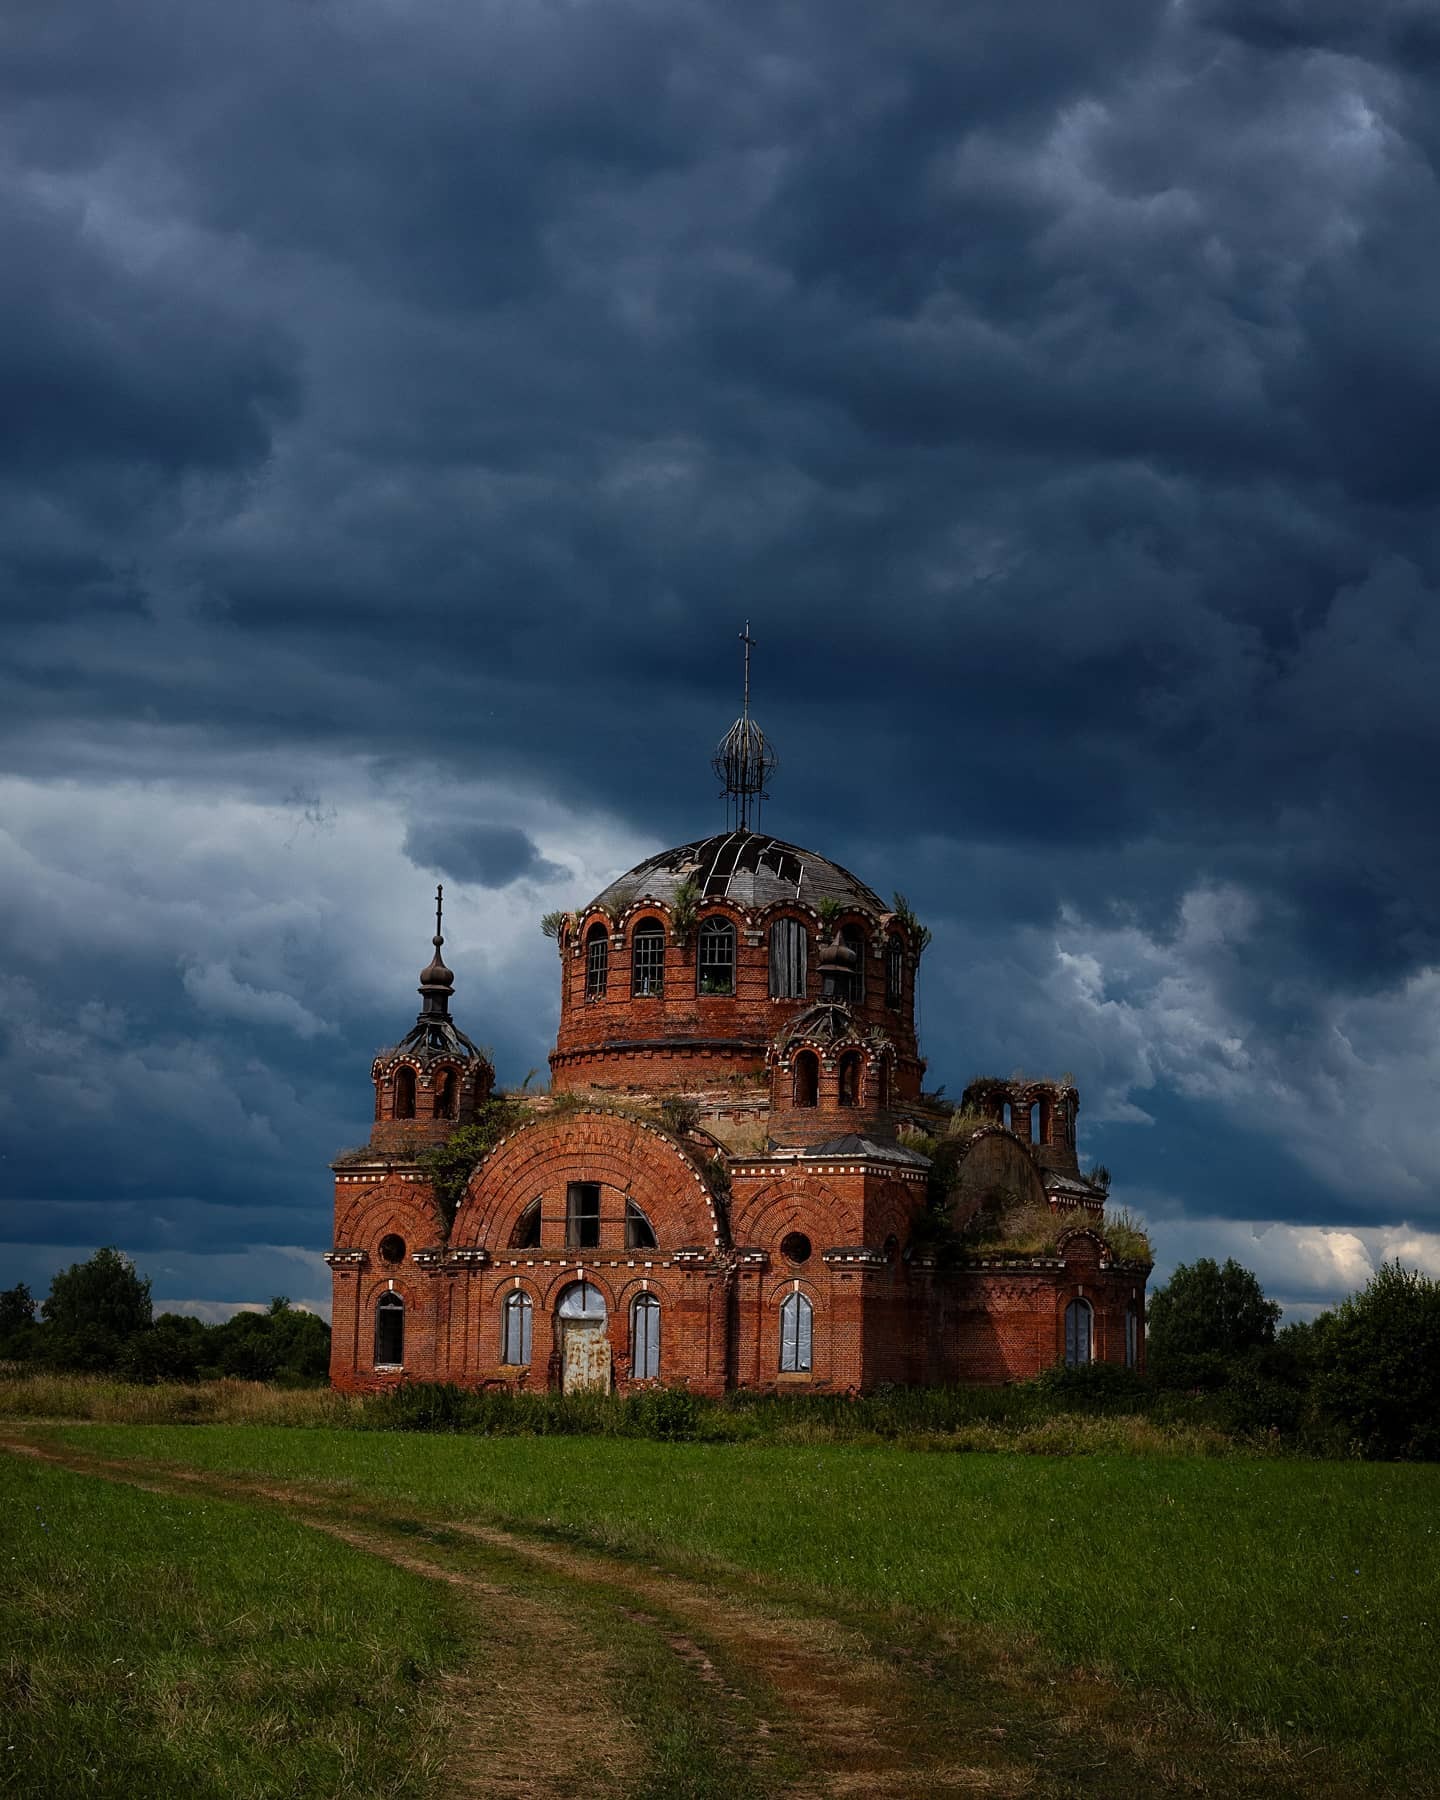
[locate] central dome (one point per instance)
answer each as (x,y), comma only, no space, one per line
(744,867)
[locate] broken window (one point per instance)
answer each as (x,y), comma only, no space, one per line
(789,959)
(515,1323)
(404,1093)
(715,963)
(447,1089)
(1078,1323)
(807,1079)
(796,1332)
(582,1215)
(854,939)
(647,960)
(597,962)
(894,972)
(645,1338)
(850,1078)
(526,1235)
(639,1232)
(389,1331)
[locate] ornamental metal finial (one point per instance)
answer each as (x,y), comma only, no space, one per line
(437,940)
(745,759)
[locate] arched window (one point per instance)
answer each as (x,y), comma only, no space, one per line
(639,1232)
(526,1235)
(807,1079)
(789,960)
(515,1321)
(796,1333)
(645,1338)
(894,971)
(647,960)
(389,1331)
(1078,1321)
(1132,1337)
(854,938)
(447,1090)
(597,962)
(850,1078)
(582,1300)
(404,1093)
(715,963)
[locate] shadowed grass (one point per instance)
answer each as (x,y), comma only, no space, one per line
(1298,1597)
(187,1646)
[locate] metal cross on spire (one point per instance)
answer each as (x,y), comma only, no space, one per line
(439,900)
(744,759)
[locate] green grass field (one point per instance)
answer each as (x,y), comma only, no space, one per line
(157,1646)
(1291,1596)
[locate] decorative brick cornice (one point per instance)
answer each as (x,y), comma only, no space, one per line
(338,1257)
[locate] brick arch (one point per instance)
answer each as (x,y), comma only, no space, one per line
(544,1155)
(781,1206)
(402,1206)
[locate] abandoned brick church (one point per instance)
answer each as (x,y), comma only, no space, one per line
(736,1179)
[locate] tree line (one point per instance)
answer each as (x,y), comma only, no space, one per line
(1361,1379)
(98,1317)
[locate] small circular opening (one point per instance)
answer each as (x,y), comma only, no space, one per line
(392,1249)
(795,1247)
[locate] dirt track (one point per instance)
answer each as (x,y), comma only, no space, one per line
(809,1702)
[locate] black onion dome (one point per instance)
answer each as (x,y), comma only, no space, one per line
(746,867)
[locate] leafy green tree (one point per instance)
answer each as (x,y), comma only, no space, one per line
(1205,1319)
(92,1311)
(1378,1365)
(174,1349)
(17,1322)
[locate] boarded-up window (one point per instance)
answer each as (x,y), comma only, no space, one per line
(515,1324)
(582,1215)
(639,1232)
(645,1338)
(796,1331)
(854,938)
(597,962)
(715,961)
(647,960)
(789,959)
(1132,1338)
(389,1332)
(894,972)
(1077,1333)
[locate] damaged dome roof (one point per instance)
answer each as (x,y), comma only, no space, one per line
(745,867)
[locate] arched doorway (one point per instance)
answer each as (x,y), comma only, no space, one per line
(584,1346)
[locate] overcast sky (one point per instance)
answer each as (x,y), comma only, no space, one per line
(405,401)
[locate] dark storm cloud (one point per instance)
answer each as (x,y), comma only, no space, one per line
(492,856)
(430,393)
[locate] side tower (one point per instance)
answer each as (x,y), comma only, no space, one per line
(389,1312)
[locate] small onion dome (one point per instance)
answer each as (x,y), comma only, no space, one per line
(835,953)
(435,975)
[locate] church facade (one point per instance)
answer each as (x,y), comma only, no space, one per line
(736,1179)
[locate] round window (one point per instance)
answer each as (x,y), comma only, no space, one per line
(392,1249)
(795,1247)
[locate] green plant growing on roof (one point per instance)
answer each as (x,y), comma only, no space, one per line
(553,924)
(830,910)
(918,934)
(449,1165)
(684,910)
